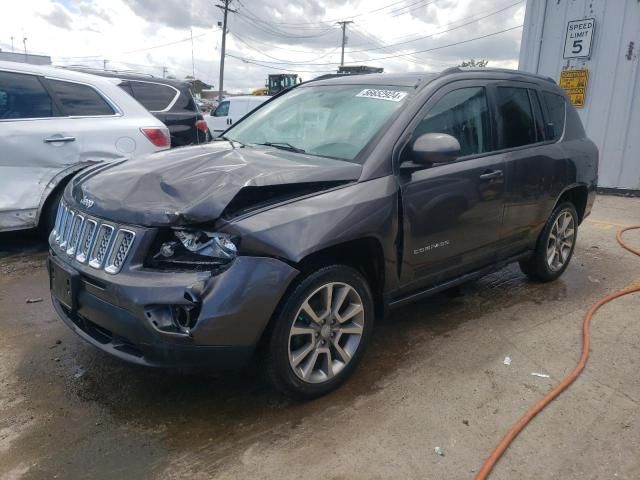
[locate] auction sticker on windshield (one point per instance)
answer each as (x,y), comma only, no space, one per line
(390,95)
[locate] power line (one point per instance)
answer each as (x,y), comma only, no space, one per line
(440,32)
(235,35)
(188,39)
(351,17)
(253,62)
(399,55)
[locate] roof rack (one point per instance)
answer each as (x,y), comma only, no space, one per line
(83,68)
(452,70)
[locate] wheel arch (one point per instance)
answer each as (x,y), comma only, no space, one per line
(59,181)
(578,195)
(364,255)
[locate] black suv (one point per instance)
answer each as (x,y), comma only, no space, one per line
(330,204)
(170,101)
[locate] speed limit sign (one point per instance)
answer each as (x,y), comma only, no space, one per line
(578,41)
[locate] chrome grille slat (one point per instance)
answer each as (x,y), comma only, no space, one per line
(102,244)
(68,224)
(101,247)
(119,251)
(74,236)
(86,240)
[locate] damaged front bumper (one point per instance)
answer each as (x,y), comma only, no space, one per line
(170,319)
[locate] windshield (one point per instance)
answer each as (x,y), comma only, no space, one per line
(332,121)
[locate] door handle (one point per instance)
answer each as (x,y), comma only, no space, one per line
(55,139)
(491,174)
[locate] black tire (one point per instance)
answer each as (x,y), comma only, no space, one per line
(49,211)
(538,267)
(279,369)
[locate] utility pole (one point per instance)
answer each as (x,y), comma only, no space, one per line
(225,8)
(344,24)
(193,63)
(24,42)
(164,72)
(104,64)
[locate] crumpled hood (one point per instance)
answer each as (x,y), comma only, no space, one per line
(195,184)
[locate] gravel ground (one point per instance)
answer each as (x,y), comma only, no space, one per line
(434,376)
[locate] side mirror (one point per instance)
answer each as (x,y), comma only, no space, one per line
(433,148)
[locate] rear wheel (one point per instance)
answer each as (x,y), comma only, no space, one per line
(321,332)
(555,245)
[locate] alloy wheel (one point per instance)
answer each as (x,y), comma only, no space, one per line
(560,241)
(326,332)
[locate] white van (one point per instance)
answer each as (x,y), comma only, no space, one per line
(231,110)
(55,122)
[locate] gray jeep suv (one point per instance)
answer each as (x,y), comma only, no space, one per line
(333,202)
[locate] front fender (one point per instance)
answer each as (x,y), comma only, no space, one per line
(298,229)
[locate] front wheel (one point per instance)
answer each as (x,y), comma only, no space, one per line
(555,245)
(321,332)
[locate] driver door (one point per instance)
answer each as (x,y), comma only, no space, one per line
(453,211)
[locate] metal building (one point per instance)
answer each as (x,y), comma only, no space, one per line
(591,47)
(25,58)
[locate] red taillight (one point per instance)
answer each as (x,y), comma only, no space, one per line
(202,125)
(158,136)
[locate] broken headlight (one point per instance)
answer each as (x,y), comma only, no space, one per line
(188,249)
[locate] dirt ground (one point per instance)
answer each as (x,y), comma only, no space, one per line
(433,377)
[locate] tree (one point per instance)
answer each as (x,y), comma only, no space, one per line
(474,63)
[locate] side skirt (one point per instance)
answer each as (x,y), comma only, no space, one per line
(467,277)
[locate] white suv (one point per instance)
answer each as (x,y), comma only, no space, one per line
(55,122)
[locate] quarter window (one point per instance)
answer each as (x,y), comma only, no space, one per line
(463,114)
(23,96)
(556,110)
(152,96)
(79,100)
(518,125)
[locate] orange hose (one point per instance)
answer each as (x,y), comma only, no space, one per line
(513,432)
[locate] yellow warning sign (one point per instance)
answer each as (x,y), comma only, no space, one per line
(574,82)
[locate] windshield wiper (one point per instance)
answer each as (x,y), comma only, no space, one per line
(283,146)
(230,140)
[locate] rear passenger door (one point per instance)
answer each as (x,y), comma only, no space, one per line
(531,164)
(453,211)
(35,146)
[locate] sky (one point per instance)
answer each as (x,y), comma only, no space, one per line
(264,36)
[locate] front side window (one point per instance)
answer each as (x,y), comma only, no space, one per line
(23,96)
(518,125)
(556,110)
(335,121)
(463,114)
(152,96)
(79,100)
(222,110)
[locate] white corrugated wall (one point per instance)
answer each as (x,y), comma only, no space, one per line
(611,114)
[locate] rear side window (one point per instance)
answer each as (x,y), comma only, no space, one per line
(23,96)
(518,125)
(152,96)
(556,110)
(463,114)
(79,100)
